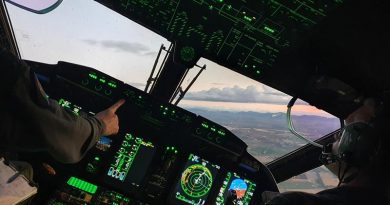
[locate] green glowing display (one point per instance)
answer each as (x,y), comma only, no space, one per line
(93,76)
(196,181)
(125,156)
(82,185)
(248,18)
(111,84)
(220,132)
(269,29)
(243,188)
(69,106)
(101,80)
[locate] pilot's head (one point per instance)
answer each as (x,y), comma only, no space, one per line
(360,147)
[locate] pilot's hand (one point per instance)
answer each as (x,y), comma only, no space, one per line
(110,119)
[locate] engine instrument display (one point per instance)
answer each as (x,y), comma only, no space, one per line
(195,182)
(131,162)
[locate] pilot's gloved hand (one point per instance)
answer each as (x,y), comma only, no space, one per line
(110,119)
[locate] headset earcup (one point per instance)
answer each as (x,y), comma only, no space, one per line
(358,144)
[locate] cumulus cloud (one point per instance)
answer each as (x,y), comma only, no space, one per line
(123,46)
(250,94)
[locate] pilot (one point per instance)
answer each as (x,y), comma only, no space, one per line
(30,121)
(360,160)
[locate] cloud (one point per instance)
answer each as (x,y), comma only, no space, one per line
(140,86)
(121,46)
(250,94)
(151,53)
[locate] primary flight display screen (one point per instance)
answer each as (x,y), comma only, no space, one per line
(235,190)
(130,162)
(195,182)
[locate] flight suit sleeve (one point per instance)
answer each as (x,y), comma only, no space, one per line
(42,122)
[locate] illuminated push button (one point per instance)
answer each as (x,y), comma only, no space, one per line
(107,92)
(98,87)
(85,82)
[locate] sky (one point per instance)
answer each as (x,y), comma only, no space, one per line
(87,33)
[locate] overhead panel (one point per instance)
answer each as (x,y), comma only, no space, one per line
(244,35)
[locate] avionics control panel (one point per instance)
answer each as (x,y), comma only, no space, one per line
(162,154)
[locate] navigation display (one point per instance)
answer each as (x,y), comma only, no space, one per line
(195,182)
(130,162)
(235,190)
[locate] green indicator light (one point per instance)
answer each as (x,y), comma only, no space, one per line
(175,151)
(258,72)
(166,108)
(140,97)
(173,111)
(102,80)
(269,29)
(248,18)
(97,158)
(220,1)
(211,7)
(245,66)
(205,125)
(213,129)
(83,185)
(229,7)
(111,84)
(164,113)
(221,133)
(93,76)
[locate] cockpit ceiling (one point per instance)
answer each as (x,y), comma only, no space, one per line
(311,49)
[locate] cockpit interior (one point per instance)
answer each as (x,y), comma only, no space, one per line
(329,53)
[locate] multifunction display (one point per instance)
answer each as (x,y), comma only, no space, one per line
(131,162)
(235,190)
(195,182)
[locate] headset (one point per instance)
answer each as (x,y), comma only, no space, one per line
(359,146)
(360,143)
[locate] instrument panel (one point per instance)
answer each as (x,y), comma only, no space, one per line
(162,154)
(247,36)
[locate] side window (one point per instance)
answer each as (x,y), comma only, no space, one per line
(312,181)
(313,127)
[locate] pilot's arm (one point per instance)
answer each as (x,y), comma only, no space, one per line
(32,122)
